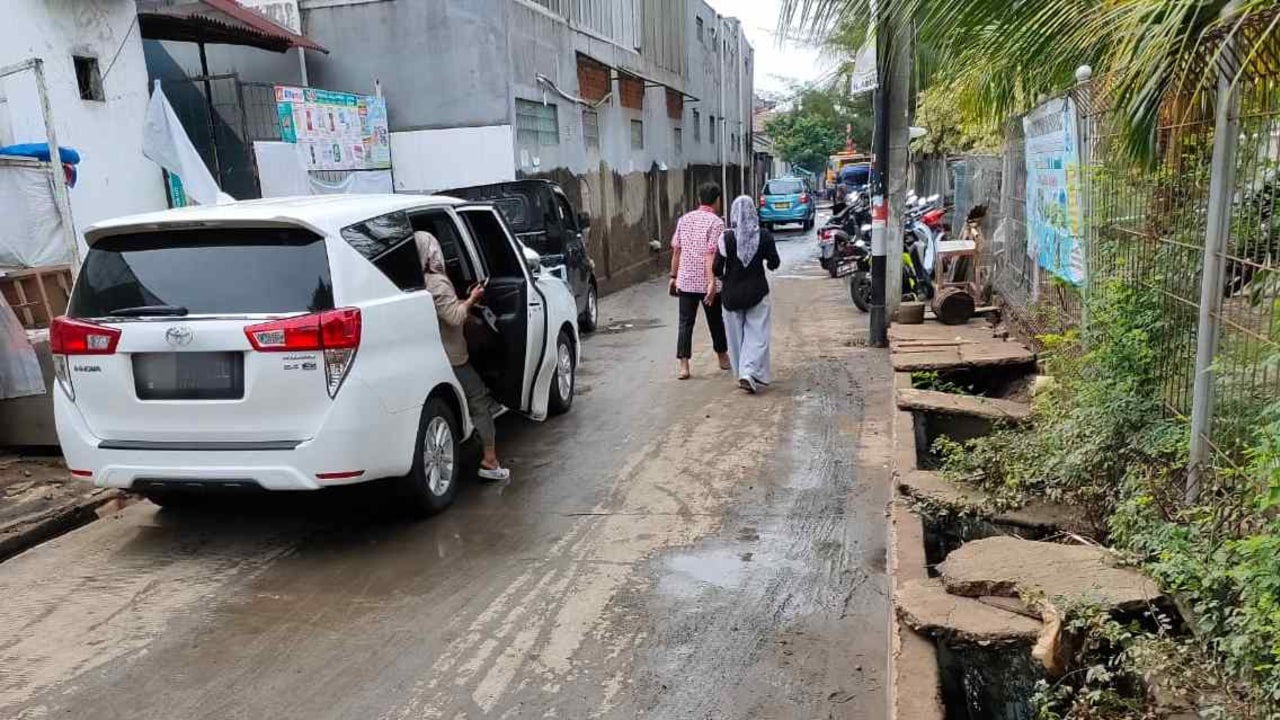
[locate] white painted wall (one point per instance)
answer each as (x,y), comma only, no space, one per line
(429,160)
(114,178)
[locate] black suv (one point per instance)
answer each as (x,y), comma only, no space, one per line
(540,214)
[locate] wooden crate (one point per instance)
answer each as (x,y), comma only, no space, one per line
(37,295)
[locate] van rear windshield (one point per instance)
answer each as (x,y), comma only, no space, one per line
(227,271)
(784,187)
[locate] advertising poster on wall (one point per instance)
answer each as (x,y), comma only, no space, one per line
(1054,218)
(336,131)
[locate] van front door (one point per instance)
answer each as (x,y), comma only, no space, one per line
(519,313)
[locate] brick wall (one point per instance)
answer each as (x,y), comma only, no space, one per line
(593,79)
(632,89)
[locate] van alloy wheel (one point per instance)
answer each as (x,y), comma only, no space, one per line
(587,321)
(562,385)
(564,364)
(432,482)
(438,456)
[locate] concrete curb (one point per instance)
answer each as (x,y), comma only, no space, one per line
(914,684)
(25,533)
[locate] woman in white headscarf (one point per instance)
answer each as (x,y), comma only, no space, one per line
(740,262)
(452,312)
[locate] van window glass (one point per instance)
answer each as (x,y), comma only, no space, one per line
(387,242)
(207,271)
(457,264)
(784,187)
(567,218)
(491,240)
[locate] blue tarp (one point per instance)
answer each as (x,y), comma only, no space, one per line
(40,151)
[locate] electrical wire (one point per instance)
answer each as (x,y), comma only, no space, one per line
(128,33)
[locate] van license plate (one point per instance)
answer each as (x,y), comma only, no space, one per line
(189,376)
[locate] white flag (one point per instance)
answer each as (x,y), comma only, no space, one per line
(166,143)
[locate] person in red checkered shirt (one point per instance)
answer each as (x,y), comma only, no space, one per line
(693,250)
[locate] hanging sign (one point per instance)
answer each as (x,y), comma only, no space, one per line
(1054,218)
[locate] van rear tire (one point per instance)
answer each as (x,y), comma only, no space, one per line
(565,381)
(432,483)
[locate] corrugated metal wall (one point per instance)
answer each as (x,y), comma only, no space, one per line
(664,40)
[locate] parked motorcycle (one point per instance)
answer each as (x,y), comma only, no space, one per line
(837,236)
(923,228)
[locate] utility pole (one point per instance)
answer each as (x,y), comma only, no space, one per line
(742,121)
(724,170)
(899,153)
(879,320)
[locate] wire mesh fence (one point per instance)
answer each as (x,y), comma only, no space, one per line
(1145,227)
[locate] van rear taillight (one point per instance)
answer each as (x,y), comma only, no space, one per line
(336,333)
(77,337)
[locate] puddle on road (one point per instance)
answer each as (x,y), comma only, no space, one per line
(691,573)
(621,326)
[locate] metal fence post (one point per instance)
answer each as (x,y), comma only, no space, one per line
(1226,133)
(1083,95)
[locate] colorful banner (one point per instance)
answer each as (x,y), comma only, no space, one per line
(337,131)
(1054,219)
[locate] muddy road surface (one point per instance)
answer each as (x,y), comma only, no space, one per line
(667,550)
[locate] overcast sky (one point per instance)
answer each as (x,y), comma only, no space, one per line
(776,64)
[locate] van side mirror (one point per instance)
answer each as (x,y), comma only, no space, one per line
(584,220)
(532,261)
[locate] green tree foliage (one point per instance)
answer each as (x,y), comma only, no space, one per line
(815,125)
(1001,56)
(949,131)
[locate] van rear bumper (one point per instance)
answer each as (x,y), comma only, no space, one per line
(379,445)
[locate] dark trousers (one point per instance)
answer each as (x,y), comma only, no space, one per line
(689,304)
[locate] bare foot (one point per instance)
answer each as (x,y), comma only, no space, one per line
(724,361)
(683,372)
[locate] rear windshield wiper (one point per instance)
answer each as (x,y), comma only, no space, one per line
(144,310)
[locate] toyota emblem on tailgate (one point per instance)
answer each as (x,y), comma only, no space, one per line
(178,336)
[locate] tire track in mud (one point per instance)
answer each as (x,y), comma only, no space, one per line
(667,494)
(70,607)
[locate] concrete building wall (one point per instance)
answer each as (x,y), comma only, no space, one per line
(445,65)
(442,63)
(114,178)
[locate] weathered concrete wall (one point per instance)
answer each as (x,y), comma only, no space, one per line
(114,178)
(442,63)
(466,63)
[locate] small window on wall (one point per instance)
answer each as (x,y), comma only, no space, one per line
(591,128)
(88,78)
(699,26)
(679,141)
(637,135)
(537,123)
(711,130)
(697,126)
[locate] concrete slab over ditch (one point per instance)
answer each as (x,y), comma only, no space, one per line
(934,346)
(966,405)
(928,608)
(1008,566)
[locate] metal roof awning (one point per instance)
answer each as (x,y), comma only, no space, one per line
(218,22)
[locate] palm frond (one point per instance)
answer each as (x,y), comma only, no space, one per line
(1001,56)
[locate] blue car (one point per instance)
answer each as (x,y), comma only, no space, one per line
(787,200)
